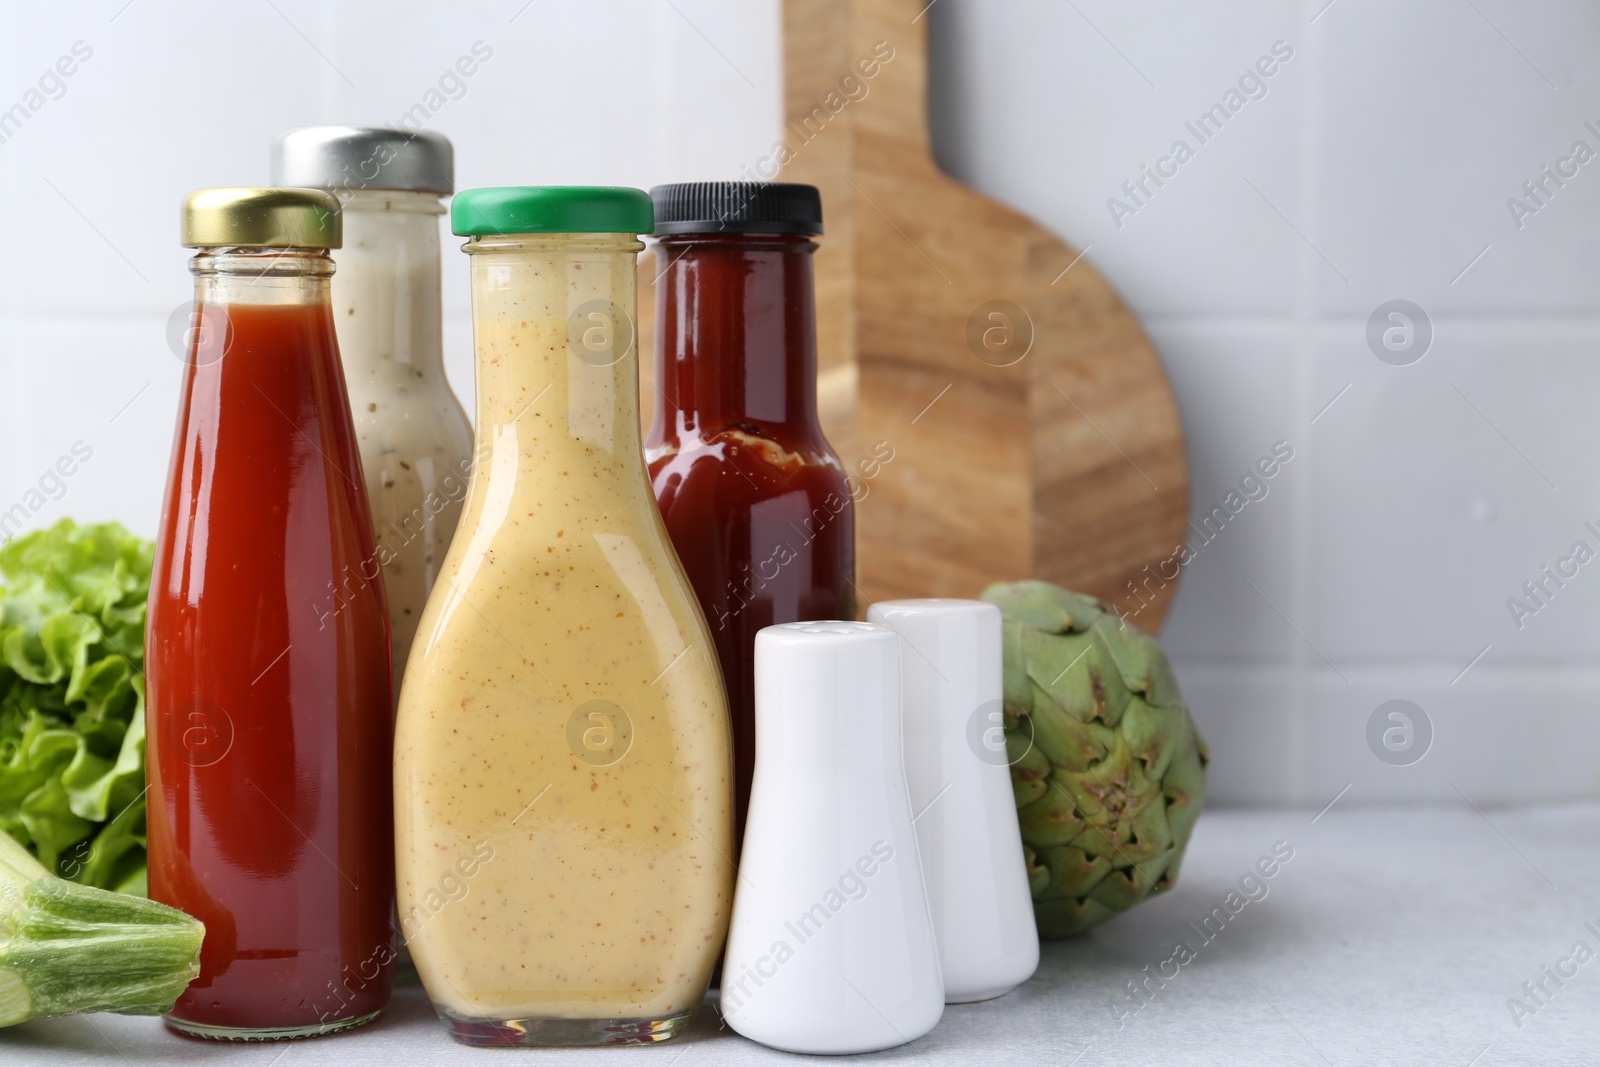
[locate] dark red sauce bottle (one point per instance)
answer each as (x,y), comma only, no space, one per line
(756,502)
(267,653)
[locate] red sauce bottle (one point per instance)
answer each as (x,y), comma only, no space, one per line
(756,501)
(267,661)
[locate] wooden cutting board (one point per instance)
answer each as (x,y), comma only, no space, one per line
(1032,428)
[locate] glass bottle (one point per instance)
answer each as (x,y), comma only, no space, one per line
(755,499)
(268,696)
(562,760)
(415,440)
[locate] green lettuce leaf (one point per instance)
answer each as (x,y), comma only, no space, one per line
(72,612)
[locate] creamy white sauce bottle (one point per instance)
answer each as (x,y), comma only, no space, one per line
(414,437)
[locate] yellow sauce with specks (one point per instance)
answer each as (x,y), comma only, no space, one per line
(563,769)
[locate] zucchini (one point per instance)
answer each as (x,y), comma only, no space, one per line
(67,948)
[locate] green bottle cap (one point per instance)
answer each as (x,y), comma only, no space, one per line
(551,209)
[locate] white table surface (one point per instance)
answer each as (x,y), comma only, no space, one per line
(1394,935)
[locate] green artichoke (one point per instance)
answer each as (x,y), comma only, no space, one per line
(1107,766)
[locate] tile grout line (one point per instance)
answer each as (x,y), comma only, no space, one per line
(1426,673)
(1304,406)
(1299,589)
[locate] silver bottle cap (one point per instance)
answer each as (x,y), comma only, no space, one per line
(351,158)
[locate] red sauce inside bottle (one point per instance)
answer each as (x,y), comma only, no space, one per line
(754,498)
(268,682)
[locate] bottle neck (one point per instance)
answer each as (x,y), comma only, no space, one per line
(735,336)
(553,328)
(386,291)
(267,276)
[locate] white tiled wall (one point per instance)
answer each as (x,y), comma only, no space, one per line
(1376,166)
(179,94)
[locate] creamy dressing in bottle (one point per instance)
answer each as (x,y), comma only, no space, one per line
(416,443)
(563,770)
(414,438)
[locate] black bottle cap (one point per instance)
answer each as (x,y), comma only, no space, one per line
(737,207)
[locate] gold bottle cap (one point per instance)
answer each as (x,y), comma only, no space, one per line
(261,218)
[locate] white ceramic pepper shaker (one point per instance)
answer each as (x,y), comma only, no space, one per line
(832,947)
(960,783)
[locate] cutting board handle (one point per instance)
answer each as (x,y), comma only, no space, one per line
(1058,458)
(837,79)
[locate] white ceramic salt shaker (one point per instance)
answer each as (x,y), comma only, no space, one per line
(960,782)
(831,948)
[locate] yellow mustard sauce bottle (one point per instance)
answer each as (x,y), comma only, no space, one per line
(563,768)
